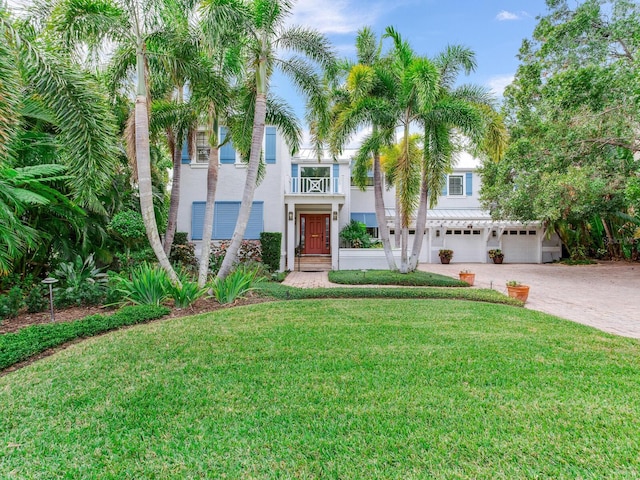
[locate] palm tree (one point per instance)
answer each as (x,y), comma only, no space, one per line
(51,112)
(364,102)
(267,34)
(129,24)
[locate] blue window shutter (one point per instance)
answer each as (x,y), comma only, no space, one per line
(444,188)
(227,152)
(226,216)
(197,220)
(185,153)
(469,181)
(294,178)
(270,145)
(336,170)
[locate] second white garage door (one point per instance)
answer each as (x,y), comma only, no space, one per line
(520,246)
(468,245)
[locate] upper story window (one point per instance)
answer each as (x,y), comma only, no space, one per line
(456,185)
(202,148)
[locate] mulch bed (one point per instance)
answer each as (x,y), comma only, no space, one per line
(203,305)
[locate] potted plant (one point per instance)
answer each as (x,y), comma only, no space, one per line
(467,276)
(496,255)
(445,255)
(518,290)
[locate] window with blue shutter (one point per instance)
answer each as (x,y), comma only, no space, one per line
(336,177)
(469,183)
(270,145)
(227,152)
(225,215)
(185,153)
(368,218)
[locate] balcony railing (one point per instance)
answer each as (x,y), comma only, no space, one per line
(314,185)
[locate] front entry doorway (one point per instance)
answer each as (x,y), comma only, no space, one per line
(315,233)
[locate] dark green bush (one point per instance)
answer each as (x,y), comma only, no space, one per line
(18,346)
(11,303)
(271,245)
(355,235)
(180,238)
(184,255)
(37,299)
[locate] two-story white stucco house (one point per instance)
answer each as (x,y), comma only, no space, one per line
(309,201)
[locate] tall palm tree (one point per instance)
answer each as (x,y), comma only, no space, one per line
(364,102)
(127,23)
(267,35)
(40,87)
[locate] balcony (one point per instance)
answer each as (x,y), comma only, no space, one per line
(314,186)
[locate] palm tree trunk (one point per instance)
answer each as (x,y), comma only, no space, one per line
(143,163)
(421,222)
(397,224)
(174,203)
(404,249)
(380,213)
(207,229)
(249,186)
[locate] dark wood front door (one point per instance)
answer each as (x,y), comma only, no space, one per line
(315,230)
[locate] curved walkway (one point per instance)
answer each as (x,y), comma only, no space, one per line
(604,295)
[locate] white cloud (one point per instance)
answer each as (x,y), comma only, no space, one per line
(334,16)
(504,15)
(498,83)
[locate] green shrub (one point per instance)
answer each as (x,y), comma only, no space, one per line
(128,226)
(11,303)
(271,243)
(187,293)
(37,300)
(81,283)
(184,255)
(148,285)
(234,286)
(180,238)
(355,235)
(32,340)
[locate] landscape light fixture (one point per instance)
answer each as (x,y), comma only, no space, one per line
(335,216)
(290,216)
(50,281)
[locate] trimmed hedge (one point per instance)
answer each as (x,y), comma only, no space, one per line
(19,346)
(271,245)
(387,277)
(283,292)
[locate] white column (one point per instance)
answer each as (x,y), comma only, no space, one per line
(335,242)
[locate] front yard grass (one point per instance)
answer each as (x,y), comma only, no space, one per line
(331,389)
(388,277)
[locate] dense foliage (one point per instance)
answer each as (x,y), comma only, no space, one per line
(271,246)
(572,113)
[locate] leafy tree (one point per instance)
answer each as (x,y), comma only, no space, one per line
(572,113)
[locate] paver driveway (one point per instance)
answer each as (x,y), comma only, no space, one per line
(605,296)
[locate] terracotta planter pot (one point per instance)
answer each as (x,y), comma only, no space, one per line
(498,260)
(468,277)
(521,292)
(445,260)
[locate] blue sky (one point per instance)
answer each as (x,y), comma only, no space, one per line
(494,29)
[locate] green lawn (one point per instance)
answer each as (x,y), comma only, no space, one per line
(387,277)
(331,389)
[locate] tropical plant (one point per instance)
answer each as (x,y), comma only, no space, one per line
(266,36)
(11,303)
(355,235)
(186,292)
(270,244)
(81,282)
(233,286)
(148,285)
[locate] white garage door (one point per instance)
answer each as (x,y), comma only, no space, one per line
(468,245)
(520,246)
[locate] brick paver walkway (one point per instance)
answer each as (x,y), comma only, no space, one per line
(604,296)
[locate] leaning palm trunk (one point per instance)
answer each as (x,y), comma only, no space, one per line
(404,249)
(397,223)
(207,229)
(380,214)
(143,163)
(174,203)
(421,222)
(249,187)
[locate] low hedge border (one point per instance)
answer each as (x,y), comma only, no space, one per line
(283,292)
(386,277)
(19,346)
